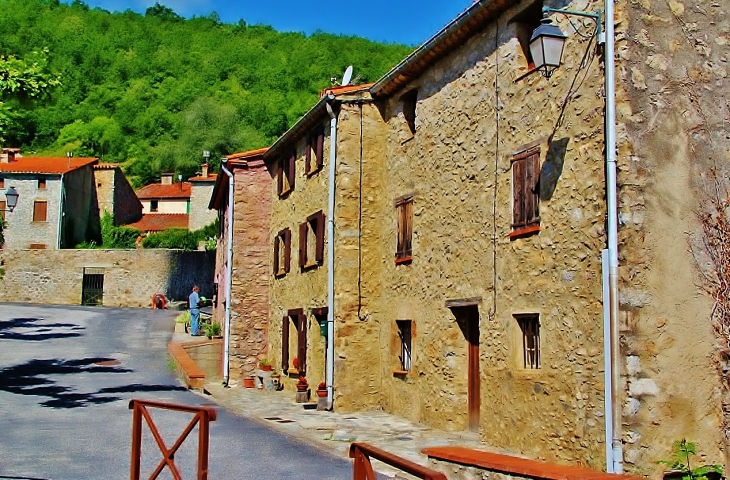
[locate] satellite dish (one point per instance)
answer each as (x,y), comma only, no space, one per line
(348,76)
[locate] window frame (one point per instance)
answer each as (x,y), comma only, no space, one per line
(42,183)
(154,206)
(36,204)
(297,317)
(2,182)
(315,145)
(525,167)
(404,229)
(405,335)
(529,324)
(317,223)
(282,240)
(286,170)
(410,104)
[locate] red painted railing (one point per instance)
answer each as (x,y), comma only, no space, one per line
(203,417)
(363,469)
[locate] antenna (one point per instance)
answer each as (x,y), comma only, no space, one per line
(347,77)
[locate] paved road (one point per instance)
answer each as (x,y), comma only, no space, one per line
(66,377)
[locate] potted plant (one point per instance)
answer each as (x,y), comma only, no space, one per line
(212,330)
(265,365)
(302,385)
(322,390)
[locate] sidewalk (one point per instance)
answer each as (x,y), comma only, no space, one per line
(333,431)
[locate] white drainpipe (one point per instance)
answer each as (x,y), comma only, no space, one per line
(60,214)
(331,261)
(229,274)
(612,213)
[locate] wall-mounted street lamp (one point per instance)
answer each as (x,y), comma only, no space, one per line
(547,41)
(11,197)
(546,47)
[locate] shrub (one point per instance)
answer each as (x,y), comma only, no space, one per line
(178,238)
(116,237)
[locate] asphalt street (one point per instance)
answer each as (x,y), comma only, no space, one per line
(66,377)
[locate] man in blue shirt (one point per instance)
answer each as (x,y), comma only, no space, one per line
(194,300)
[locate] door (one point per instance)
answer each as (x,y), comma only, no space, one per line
(467,317)
(92,290)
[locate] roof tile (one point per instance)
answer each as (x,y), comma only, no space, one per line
(47,165)
(158,190)
(156,222)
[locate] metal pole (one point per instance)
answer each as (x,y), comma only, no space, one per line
(331,260)
(229,275)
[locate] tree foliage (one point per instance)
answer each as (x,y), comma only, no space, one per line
(155,90)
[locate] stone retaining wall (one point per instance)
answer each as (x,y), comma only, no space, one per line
(131,277)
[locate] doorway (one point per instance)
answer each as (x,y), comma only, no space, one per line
(92,290)
(467,317)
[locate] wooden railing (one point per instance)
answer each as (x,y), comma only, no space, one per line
(363,469)
(203,417)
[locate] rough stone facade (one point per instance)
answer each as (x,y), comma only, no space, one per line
(115,195)
(131,277)
(250,275)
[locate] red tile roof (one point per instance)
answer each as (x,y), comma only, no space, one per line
(48,165)
(210,178)
(341,89)
(247,154)
(155,222)
(158,190)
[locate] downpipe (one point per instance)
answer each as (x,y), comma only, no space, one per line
(330,369)
(229,275)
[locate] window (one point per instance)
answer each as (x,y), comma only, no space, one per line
(525,23)
(410,99)
(315,144)
(40,211)
(282,253)
(285,174)
(299,320)
(530,326)
(405,336)
(525,191)
(42,183)
(37,246)
(3,207)
(2,183)
(154,205)
(311,241)
(404,212)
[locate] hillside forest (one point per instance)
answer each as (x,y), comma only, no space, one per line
(153,91)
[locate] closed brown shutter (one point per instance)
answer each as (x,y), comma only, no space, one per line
(292,169)
(308,155)
(285,343)
(287,250)
(280,177)
(404,240)
(303,244)
(320,237)
(532,191)
(277,246)
(320,147)
(3,206)
(40,211)
(302,343)
(518,196)
(526,189)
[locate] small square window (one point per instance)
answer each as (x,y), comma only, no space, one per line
(3,207)
(526,191)
(404,214)
(42,183)
(40,211)
(410,100)
(311,241)
(282,253)
(2,183)
(286,174)
(525,23)
(406,337)
(154,205)
(530,327)
(37,246)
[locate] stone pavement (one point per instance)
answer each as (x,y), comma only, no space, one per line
(334,431)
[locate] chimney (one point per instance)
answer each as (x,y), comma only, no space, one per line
(166,179)
(8,156)
(205,170)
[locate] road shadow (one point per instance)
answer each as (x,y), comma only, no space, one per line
(31,378)
(34,332)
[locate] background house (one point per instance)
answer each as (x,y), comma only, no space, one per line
(57,207)
(115,195)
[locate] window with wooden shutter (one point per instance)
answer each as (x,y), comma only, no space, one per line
(282,253)
(404,213)
(405,336)
(301,322)
(42,183)
(315,148)
(526,192)
(40,211)
(2,183)
(3,207)
(311,241)
(285,174)
(285,343)
(530,327)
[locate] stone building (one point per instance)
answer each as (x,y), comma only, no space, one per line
(248,302)
(57,205)
(201,189)
(467,221)
(115,195)
(165,197)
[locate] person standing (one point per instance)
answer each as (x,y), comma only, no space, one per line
(194,300)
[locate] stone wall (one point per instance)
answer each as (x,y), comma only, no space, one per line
(22,231)
(80,220)
(115,195)
(131,277)
(208,356)
(200,215)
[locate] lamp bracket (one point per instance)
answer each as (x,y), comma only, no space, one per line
(596,17)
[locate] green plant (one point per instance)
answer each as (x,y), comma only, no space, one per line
(178,238)
(117,237)
(183,318)
(680,461)
(264,362)
(212,329)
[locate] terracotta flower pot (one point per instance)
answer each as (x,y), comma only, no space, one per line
(248,382)
(266,368)
(322,393)
(302,388)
